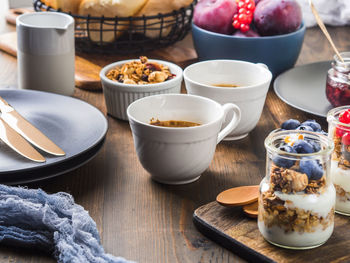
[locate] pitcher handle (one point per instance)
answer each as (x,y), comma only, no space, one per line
(234,121)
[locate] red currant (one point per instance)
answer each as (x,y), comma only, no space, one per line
(236,24)
(244,16)
(244,28)
(344,117)
(346,139)
(241,11)
(250,19)
(241,4)
(251,6)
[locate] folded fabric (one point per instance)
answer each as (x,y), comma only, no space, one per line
(53,222)
(334,13)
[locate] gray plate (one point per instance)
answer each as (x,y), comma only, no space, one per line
(72,124)
(304,88)
(48,172)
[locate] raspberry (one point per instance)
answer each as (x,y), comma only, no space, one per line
(344,117)
(346,139)
(340,130)
(245,14)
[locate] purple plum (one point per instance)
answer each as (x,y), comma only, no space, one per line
(215,15)
(277,17)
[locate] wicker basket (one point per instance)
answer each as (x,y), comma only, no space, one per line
(124,35)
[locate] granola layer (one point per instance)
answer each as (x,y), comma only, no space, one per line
(278,212)
(288,201)
(342,195)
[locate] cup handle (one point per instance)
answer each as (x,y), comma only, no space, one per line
(234,121)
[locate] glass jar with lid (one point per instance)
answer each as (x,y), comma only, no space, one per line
(339,131)
(297,197)
(338,81)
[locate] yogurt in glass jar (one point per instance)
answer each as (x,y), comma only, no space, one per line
(297,197)
(339,131)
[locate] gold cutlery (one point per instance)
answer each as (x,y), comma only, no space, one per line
(18,143)
(324,29)
(23,127)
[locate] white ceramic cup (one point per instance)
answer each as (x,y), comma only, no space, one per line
(253,82)
(46,52)
(179,155)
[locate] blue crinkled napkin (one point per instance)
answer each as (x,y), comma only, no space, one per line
(33,218)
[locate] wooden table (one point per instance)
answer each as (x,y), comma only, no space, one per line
(149,222)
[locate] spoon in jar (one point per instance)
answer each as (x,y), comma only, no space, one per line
(324,30)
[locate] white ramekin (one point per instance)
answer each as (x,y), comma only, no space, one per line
(119,96)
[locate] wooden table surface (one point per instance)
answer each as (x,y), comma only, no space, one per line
(149,222)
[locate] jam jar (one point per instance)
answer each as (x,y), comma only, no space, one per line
(339,131)
(338,81)
(297,197)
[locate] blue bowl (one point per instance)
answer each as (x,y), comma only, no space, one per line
(279,52)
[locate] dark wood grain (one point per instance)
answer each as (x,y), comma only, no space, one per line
(240,234)
(146,221)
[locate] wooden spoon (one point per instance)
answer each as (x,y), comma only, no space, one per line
(239,196)
(324,29)
(251,210)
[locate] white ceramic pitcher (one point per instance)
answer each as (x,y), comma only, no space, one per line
(46,52)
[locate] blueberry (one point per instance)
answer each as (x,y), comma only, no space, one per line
(315,145)
(304,128)
(313,124)
(282,161)
(312,168)
(287,148)
(301,146)
(290,124)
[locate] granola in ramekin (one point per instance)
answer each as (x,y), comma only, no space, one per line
(140,72)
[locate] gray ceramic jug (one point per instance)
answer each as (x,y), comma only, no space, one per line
(46,52)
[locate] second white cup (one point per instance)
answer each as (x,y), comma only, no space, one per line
(208,79)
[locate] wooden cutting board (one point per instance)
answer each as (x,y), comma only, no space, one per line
(238,233)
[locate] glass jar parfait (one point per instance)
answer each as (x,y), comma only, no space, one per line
(339,131)
(338,81)
(297,197)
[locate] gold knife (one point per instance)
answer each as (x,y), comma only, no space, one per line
(18,143)
(27,130)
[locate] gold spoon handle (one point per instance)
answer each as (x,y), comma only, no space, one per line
(324,29)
